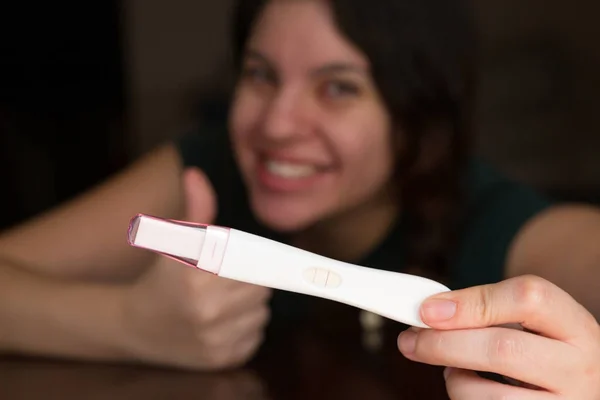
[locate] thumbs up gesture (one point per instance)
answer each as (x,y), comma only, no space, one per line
(188,318)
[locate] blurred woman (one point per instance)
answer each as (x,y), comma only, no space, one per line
(347,135)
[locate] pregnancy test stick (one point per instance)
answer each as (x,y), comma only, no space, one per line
(242,256)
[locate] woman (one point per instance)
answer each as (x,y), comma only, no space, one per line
(348,136)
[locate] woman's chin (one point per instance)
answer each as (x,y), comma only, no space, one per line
(283,219)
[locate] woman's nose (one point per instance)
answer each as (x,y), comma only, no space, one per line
(285,117)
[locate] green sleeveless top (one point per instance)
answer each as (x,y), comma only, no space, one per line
(497,209)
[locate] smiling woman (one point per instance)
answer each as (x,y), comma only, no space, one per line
(347,134)
(307,122)
(328,131)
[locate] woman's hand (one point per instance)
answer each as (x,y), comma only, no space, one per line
(181,316)
(556,356)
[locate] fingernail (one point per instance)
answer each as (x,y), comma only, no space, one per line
(407,342)
(438,310)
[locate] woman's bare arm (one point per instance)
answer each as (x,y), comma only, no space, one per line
(42,315)
(562,245)
(67,276)
(86,238)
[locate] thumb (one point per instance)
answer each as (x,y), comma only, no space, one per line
(200,202)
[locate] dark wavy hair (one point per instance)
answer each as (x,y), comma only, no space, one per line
(421,54)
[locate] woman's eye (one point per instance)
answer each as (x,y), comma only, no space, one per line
(337,89)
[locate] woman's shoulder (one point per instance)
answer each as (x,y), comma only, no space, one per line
(497,208)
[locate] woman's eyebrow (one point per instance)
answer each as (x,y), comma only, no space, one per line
(338,67)
(257,55)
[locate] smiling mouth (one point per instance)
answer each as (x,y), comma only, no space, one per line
(290,170)
(290,176)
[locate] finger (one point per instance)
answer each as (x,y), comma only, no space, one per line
(467,385)
(250,343)
(204,282)
(247,325)
(536,304)
(219,306)
(246,348)
(229,334)
(241,299)
(520,355)
(234,355)
(199,199)
(190,283)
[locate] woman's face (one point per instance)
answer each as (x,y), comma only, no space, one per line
(310,131)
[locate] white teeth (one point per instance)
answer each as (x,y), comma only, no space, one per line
(289,170)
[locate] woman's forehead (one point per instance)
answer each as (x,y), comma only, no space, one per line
(301,34)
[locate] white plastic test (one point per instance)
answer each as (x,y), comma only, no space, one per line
(241,256)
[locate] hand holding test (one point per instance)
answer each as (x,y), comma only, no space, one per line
(238,255)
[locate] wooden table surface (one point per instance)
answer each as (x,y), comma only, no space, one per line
(327,359)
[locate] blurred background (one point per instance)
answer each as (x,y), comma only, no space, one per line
(85,87)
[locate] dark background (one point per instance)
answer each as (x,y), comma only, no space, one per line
(85,87)
(62,102)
